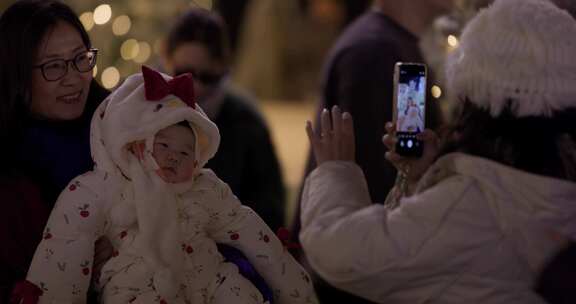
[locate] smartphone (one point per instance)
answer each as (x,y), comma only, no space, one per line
(409,107)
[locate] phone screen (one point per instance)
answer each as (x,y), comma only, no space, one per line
(410,107)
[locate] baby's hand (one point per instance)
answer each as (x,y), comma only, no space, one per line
(137,148)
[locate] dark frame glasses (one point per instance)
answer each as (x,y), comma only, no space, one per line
(56,69)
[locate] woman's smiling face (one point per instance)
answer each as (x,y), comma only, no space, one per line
(65,98)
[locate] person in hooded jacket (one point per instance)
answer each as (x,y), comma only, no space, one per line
(476,218)
(163,212)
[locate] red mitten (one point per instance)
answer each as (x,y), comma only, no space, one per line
(25,292)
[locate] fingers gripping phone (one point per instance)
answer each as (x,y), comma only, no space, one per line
(409,107)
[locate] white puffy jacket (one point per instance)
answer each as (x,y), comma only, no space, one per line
(475,232)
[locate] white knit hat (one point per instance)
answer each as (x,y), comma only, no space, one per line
(518,50)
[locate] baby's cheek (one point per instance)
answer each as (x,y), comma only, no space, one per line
(187,171)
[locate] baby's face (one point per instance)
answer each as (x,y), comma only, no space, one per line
(174,153)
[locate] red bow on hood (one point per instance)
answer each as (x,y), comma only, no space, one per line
(156,87)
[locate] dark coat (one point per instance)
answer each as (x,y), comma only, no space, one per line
(45,157)
(246,159)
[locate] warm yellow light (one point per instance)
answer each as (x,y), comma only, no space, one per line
(436,91)
(158,46)
(87,20)
(144,52)
(102,14)
(207,4)
(453,41)
(129,49)
(110,77)
(95,71)
(121,25)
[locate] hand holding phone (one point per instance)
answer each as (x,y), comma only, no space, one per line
(412,167)
(409,107)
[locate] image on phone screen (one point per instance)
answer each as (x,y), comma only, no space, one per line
(410,108)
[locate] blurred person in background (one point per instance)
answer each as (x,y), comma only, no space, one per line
(246,159)
(350,8)
(233,13)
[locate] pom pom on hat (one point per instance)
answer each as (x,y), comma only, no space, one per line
(517,53)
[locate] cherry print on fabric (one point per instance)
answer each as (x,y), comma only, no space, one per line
(160,300)
(84,210)
(74,186)
(187,248)
(264,237)
(47,234)
(85,268)
(234,235)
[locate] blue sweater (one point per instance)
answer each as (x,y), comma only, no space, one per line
(52,153)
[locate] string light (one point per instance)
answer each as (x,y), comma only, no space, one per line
(110,77)
(453,41)
(129,49)
(144,51)
(102,14)
(436,91)
(121,25)
(87,20)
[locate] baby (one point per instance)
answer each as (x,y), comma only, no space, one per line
(163,212)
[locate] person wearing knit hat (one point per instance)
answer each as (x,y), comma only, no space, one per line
(163,212)
(477,217)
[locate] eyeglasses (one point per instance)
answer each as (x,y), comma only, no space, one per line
(58,68)
(207,78)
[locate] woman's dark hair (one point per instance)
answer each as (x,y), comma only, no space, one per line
(540,145)
(22,29)
(204,27)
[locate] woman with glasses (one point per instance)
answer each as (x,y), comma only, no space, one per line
(47,98)
(246,159)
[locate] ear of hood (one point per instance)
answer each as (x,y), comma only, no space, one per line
(127,116)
